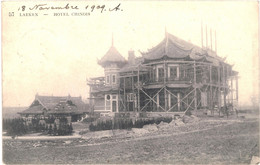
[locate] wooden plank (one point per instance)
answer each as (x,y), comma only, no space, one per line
(180,100)
(152,98)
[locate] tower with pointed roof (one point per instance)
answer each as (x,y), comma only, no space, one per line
(112,61)
(104,91)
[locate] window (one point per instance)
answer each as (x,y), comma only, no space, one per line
(173,72)
(154,73)
(108,102)
(183,73)
(108,97)
(108,79)
(114,79)
(160,74)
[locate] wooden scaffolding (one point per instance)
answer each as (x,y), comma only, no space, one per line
(206,86)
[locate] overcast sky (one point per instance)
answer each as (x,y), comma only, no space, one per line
(54,55)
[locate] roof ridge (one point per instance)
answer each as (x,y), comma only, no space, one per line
(58,96)
(180,46)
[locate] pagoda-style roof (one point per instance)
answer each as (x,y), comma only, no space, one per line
(112,56)
(172,47)
(56,105)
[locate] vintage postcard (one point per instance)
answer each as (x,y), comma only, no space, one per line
(130,82)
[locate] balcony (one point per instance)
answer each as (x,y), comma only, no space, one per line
(168,80)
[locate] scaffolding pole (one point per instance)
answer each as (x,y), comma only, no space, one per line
(195,86)
(219,92)
(164,84)
(224,84)
(211,95)
(138,90)
(236,88)
(124,96)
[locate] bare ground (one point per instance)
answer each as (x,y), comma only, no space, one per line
(225,143)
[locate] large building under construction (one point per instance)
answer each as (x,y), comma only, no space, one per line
(172,77)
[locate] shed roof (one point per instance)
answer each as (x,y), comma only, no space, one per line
(56,104)
(37,109)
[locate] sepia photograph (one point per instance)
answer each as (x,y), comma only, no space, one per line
(130,82)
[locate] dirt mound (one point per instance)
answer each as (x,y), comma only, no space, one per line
(195,118)
(172,123)
(150,127)
(146,129)
(179,122)
(162,125)
(255,160)
(139,131)
(190,119)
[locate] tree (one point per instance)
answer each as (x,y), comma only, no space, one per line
(55,129)
(16,127)
(50,131)
(70,128)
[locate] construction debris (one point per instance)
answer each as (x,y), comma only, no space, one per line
(190,119)
(150,127)
(179,122)
(162,125)
(255,160)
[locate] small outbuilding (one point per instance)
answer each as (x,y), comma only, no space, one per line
(55,107)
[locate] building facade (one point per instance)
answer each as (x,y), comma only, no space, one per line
(172,77)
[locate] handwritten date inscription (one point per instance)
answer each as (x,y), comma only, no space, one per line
(92,8)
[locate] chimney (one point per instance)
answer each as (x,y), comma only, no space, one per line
(131,57)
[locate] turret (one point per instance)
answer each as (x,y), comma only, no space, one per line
(112,61)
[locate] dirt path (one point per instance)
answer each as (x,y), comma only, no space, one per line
(40,137)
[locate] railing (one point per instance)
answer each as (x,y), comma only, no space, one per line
(170,80)
(97,87)
(96,83)
(101,108)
